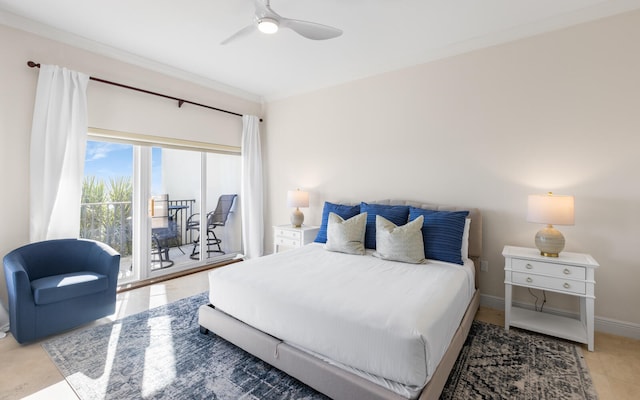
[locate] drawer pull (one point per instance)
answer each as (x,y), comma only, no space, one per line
(566,271)
(529,279)
(529,266)
(566,285)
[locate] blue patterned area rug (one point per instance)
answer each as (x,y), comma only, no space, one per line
(160,354)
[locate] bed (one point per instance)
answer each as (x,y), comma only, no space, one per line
(352,326)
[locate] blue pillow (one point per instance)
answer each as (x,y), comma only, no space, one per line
(399,215)
(442,233)
(342,210)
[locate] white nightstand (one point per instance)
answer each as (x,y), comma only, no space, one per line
(289,236)
(570,273)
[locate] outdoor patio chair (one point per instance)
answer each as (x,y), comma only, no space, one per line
(216,218)
(164,231)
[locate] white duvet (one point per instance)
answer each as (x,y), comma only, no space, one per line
(389,319)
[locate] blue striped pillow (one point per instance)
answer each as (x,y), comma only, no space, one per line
(397,214)
(342,210)
(442,233)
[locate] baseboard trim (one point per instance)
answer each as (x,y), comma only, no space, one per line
(602,324)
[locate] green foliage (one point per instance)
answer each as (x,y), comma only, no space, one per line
(120,189)
(105,213)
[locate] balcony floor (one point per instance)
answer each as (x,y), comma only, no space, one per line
(179,259)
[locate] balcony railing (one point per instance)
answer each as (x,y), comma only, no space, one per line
(110,223)
(181,214)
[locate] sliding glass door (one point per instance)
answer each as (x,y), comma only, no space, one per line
(107,200)
(146,202)
(223,179)
(175,190)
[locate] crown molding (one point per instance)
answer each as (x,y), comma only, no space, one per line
(588,14)
(591,13)
(49,32)
(555,23)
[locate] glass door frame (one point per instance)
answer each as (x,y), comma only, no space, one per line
(141,183)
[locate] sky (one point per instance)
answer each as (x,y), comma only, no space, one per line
(104,160)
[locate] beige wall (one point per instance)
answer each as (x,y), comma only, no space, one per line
(558,112)
(554,112)
(109,108)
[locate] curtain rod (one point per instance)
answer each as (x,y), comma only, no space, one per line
(180,101)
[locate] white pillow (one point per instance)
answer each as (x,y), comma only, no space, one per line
(464,250)
(346,236)
(400,243)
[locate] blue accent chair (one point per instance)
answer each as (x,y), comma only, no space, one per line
(56,285)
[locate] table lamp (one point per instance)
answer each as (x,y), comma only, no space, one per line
(297,199)
(552,210)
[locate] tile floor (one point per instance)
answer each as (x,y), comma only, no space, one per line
(27,372)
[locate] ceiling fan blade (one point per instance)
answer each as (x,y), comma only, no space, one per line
(242,32)
(311,30)
(263,9)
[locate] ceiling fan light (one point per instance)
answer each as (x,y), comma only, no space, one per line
(268,25)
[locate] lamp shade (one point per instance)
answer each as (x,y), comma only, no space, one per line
(297,198)
(550,209)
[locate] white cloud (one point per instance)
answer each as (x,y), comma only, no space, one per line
(98,150)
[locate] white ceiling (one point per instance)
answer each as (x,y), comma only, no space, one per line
(183,37)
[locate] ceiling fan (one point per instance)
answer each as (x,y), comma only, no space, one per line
(268,21)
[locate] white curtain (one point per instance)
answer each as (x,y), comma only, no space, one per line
(251,191)
(58,141)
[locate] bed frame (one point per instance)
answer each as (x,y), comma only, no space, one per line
(333,381)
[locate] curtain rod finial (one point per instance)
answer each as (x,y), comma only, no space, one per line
(32,64)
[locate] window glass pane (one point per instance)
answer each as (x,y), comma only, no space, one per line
(223,178)
(175,184)
(107,193)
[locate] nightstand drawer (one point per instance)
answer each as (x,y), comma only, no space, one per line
(569,274)
(547,282)
(283,241)
(288,234)
(539,267)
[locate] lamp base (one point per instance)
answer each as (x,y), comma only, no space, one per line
(549,241)
(297,218)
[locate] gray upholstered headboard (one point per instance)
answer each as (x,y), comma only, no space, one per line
(475,229)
